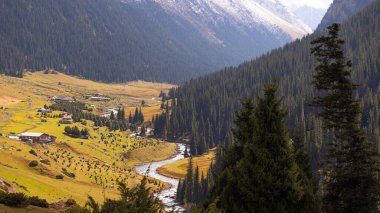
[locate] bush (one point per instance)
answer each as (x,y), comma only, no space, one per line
(69,174)
(14,199)
(33,152)
(21,200)
(33,163)
(77,209)
(45,161)
(36,201)
(59,177)
(70,202)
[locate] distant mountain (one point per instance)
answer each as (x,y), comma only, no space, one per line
(341,10)
(210,16)
(153,40)
(310,16)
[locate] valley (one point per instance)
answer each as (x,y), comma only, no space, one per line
(97,162)
(189,106)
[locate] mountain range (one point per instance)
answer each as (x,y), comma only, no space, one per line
(153,40)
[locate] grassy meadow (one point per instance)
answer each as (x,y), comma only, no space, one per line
(98,162)
(179,169)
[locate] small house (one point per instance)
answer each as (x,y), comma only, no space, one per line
(42,110)
(66,119)
(36,137)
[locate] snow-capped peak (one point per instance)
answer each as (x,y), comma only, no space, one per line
(244,13)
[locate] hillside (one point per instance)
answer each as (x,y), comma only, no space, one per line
(205,106)
(120,41)
(97,162)
(341,10)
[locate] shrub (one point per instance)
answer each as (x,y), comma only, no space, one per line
(33,152)
(19,150)
(59,177)
(14,199)
(45,161)
(33,163)
(69,174)
(36,201)
(70,202)
(21,200)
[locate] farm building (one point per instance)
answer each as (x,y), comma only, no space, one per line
(66,119)
(36,137)
(63,98)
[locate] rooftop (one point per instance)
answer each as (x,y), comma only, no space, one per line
(31,134)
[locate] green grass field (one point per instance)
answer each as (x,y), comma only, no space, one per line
(98,162)
(179,169)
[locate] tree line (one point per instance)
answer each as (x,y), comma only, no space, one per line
(80,111)
(204,107)
(264,170)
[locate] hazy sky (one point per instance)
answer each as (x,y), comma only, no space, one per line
(311,3)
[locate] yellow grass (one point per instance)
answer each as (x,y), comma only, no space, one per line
(179,169)
(98,164)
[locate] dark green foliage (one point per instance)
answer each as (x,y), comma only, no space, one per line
(14,199)
(259,172)
(33,152)
(67,173)
(194,188)
(121,114)
(136,199)
(340,10)
(36,201)
(33,163)
(209,103)
(350,173)
(76,133)
(80,111)
(311,199)
(100,40)
(45,161)
(137,117)
(70,202)
(20,200)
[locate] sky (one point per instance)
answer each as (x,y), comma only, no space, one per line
(312,3)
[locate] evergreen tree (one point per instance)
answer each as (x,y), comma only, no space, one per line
(197,186)
(112,115)
(351,183)
(130,118)
(266,177)
(189,182)
(310,200)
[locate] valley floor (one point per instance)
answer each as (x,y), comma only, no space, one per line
(97,162)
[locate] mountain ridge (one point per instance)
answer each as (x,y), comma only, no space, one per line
(117,41)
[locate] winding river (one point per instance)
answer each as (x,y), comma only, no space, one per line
(166,196)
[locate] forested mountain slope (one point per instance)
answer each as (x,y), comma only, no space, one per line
(341,10)
(205,107)
(115,40)
(100,40)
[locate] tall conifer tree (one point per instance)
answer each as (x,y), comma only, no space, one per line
(350,177)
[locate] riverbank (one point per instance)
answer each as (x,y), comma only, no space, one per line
(179,168)
(166,196)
